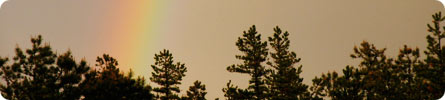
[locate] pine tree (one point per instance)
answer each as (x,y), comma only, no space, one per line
(433,72)
(70,76)
(197,91)
(376,78)
(108,83)
(407,61)
(40,74)
(285,81)
(376,69)
(349,86)
(168,75)
(254,53)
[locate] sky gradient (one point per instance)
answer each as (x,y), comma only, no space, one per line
(202,33)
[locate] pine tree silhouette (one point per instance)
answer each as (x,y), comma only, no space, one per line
(254,53)
(38,73)
(168,75)
(284,80)
(107,83)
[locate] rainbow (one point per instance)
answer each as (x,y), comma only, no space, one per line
(133,29)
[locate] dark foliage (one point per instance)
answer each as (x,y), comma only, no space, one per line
(197,91)
(168,75)
(254,53)
(39,74)
(433,72)
(284,80)
(107,83)
(379,77)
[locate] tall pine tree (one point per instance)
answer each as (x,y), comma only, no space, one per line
(168,75)
(254,54)
(285,81)
(433,71)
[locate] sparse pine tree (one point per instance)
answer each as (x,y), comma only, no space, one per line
(284,80)
(254,54)
(433,72)
(168,75)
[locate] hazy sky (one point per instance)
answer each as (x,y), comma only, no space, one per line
(202,33)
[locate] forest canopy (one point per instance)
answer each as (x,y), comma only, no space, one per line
(38,73)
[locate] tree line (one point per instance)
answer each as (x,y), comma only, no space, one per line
(38,73)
